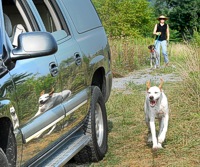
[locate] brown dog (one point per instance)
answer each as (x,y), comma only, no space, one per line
(153,57)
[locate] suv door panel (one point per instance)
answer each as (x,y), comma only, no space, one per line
(30,80)
(72,77)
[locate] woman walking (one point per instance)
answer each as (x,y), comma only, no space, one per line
(161,30)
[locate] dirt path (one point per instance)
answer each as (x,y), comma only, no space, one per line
(141,76)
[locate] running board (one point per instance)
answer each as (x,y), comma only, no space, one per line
(65,152)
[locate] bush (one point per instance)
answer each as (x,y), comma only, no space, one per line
(196,39)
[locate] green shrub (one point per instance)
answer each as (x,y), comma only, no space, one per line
(196,39)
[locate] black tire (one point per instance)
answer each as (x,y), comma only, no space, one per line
(11,150)
(8,143)
(96,127)
(3,159)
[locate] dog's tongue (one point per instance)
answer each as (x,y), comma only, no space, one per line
(152,102)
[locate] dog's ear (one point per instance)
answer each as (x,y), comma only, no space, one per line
(148,84)
(52,91)
(161,83)
(42,93)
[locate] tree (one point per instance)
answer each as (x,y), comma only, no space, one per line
(160,7)
(184,15)
(126,17)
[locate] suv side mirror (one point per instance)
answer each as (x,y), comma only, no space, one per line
(34,44)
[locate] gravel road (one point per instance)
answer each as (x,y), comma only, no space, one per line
(141,77)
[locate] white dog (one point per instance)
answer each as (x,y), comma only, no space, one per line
(156,106)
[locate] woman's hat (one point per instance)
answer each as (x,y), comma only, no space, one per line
(162,17)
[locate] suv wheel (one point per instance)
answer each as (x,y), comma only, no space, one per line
(3,159)
(96,127)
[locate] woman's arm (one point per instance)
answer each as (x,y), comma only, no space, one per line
(154,31)
(167,32)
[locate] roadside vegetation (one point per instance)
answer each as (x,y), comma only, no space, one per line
(128,43)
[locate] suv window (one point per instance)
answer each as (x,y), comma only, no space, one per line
(13,13)
(45,16)
(82,14)
(13,21)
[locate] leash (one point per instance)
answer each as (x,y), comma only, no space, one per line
(157,39)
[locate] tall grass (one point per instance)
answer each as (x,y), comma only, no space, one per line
(129,54)
(189,70)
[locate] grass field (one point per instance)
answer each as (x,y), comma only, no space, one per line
(128,131)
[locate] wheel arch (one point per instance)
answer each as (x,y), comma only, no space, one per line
(98,79)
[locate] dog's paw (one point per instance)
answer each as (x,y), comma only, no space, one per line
(156,147)
(161,138)
(159,146)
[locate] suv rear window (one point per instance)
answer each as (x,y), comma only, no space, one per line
(83,14)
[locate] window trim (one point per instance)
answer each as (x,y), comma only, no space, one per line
(27,15)
(53,15)
(60,16)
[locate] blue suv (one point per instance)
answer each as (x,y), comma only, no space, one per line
(55,78)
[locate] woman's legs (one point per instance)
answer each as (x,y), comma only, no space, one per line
(157,47)
(164,51)
(163,44)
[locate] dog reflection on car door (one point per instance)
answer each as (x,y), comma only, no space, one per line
(49,100)
(156,106)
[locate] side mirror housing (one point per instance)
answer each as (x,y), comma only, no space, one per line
(34,44)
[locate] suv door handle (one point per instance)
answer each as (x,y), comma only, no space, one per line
(53,69)
(78,60)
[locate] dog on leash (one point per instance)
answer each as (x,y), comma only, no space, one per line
(156,106)
(153,56)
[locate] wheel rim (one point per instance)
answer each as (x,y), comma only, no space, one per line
(99,124)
